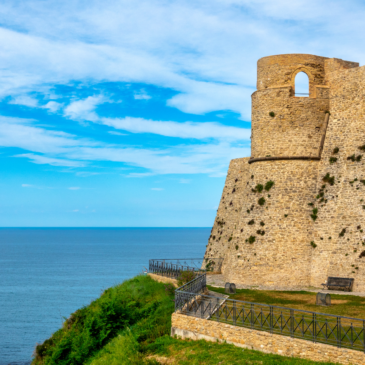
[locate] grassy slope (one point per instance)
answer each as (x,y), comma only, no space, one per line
(129,324)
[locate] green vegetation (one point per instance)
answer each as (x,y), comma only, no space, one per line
(333,160)
(313,244)
(314,214)
(251,239)
(335,150)
(258,188)
(272,114)
(269,185)
(261,201)
(141,304)
(130,325)
(251,222)
(342,305)
(329,179)
(185,277)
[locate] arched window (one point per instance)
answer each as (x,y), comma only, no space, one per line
(301,84)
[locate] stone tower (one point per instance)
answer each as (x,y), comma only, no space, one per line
(294,212)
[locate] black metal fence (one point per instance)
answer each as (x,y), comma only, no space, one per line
(317,327)
(173,267)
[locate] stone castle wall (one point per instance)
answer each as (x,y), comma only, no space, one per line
(343,207)
(298,242)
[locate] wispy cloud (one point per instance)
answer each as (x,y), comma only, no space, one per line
(181,130)
(74,188)
(85,109)
(142,95)
(44,160)
(24,100)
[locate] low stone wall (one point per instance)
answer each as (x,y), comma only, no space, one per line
(163,279)
(197,329)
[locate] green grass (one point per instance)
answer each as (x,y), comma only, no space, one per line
(342,305)
(130,324)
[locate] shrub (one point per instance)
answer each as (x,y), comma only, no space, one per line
(362,148)
(251,239)
(230,239)
(333,160)
(262,223)
(329,179)
(258,188)
(335,150)
(342,233)
(314,214)
(185,277)
(236,247)
(269,185)
(251,222)
(313,244)
(261,201)
(272,114)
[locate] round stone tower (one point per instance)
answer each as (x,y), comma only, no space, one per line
(269,241)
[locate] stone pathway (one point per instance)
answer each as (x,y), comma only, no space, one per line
(218,281)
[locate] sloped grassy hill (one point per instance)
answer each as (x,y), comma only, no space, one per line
(130,324)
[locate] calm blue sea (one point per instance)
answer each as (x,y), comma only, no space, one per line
(48,273)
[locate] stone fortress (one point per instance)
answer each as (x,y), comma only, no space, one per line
(294,212)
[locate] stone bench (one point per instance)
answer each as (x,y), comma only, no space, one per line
(339,283)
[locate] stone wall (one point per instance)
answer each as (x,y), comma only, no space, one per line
(229,209)
(196,329)
(343,207)
(295,130)
(281,252)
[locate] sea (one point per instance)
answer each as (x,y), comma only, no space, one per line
(48,273)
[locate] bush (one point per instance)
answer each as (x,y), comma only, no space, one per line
(313,244)
(335,150)
(272,114)
(269,185)
(333,160)
(251,239)
(140,303)
(185,277)
(261,201)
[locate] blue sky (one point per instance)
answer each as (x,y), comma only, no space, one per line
(123,113)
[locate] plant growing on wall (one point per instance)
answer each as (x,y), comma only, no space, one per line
(262,223)
(251,239)
(272,114)
(269,185)
(333,160)
(313,244)
(335,150)
(251,222)
(329,179)
(258,188)
(261,201)
(314,214)
(362,148)
(342,233)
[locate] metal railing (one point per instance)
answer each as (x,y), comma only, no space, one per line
(173,267)
(317,327)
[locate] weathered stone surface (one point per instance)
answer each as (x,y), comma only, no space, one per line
(196,329)
(271,243)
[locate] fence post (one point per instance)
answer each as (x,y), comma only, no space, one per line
(363,334)
(315,327)
(252,317)
(271,319)
(234,312)
(217,311)
(291,322)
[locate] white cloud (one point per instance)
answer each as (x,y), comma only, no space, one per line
(184,181)
(85,109)
(44,160)
(24,100)
(74,188)
(141,95)
(62,149)
(181,130)
(183,45)
(27,185)
(117,133)
(52,106)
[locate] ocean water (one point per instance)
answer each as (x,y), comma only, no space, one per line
(48,273)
